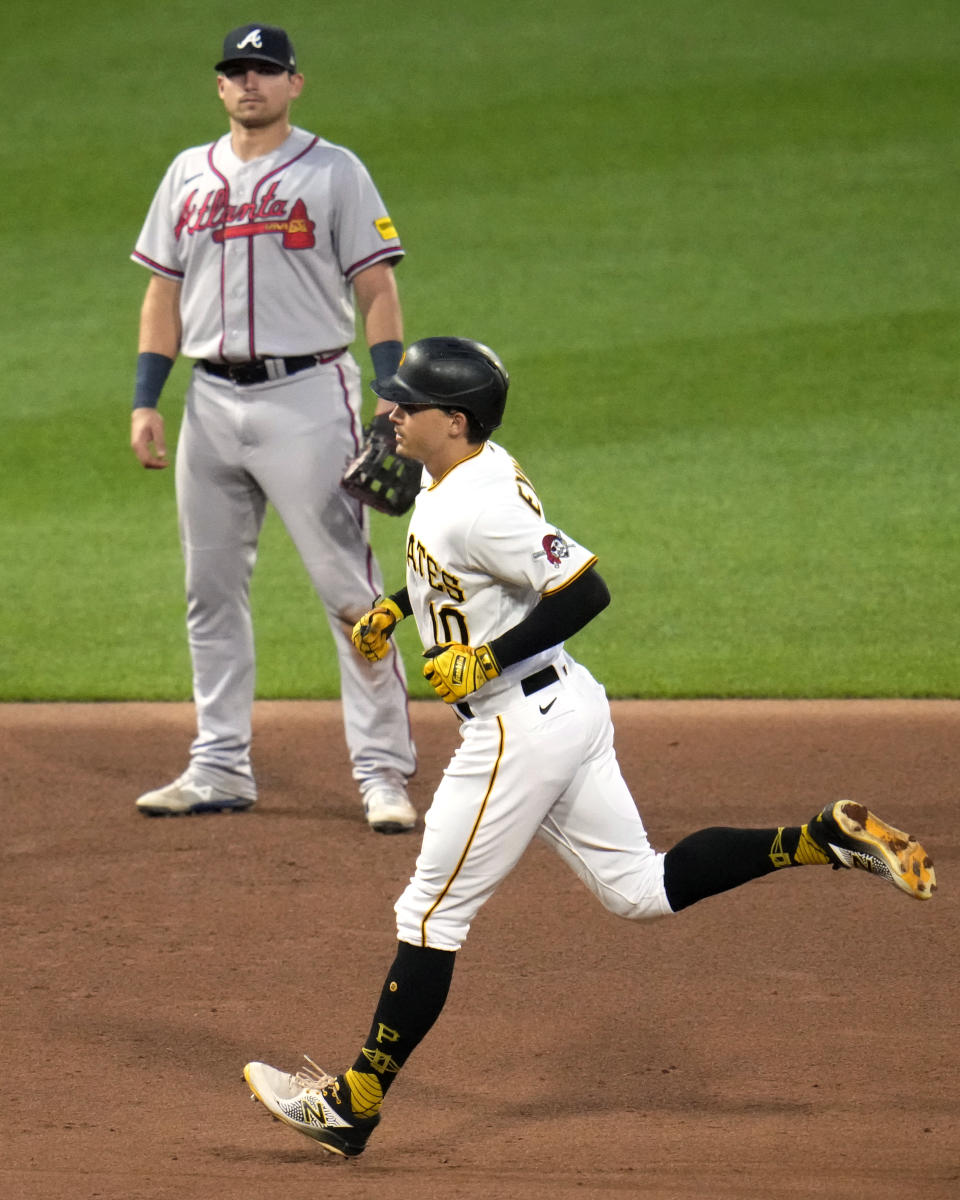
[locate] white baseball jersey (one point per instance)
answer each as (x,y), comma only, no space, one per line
(536,756)
(470,580)
(266,250)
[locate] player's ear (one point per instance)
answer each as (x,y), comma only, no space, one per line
(296,85)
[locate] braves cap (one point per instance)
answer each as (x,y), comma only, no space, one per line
(262,43)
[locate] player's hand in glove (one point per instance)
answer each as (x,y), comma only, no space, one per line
(380,477)
(371,634)
(455,671)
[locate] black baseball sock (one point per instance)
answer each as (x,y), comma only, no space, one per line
(413,996)
(716,860)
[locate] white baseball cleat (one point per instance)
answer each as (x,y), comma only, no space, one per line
(314,1103)
(184,797)
(388,809)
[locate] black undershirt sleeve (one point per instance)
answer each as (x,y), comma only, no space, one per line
(402,600)
(558,616)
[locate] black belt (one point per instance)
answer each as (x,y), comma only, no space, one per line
(533,683)
(257,372)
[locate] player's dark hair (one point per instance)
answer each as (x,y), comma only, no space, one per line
(475,431)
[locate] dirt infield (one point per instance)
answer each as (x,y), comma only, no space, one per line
(798,1037)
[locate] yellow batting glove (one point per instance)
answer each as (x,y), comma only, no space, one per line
(371,634)
(455,671)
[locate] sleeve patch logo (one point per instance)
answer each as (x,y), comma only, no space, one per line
(555,549)
(386,228)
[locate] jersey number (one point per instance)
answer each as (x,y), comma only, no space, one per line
(443,620)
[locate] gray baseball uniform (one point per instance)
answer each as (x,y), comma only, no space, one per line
(265,252)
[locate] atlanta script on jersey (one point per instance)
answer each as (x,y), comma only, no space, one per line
(469,582)
(267,249)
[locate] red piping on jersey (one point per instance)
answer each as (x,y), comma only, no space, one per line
(355,433)
(223,274)
(387,252)
(470,840)
(251,320)
(170,272)
(282,167)
(251,323)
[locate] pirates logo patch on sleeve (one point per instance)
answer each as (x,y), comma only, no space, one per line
(555,549)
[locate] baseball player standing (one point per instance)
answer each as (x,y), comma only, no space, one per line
(260,246)
(495,589)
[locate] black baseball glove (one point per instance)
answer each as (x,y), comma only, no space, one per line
(378,476)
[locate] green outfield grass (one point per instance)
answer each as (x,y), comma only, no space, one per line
(714,244)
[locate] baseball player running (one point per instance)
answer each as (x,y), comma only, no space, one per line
(495,589)
(259,246)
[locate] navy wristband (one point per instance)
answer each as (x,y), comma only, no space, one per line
(385,357)
(152,372)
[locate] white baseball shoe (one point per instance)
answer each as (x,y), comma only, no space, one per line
(314,1103)
(184,797)
(388,808)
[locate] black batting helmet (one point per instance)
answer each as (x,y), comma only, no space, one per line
(450,372)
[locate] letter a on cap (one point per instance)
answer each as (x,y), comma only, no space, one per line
(252,39)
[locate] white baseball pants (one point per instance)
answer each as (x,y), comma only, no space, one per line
(540,764)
